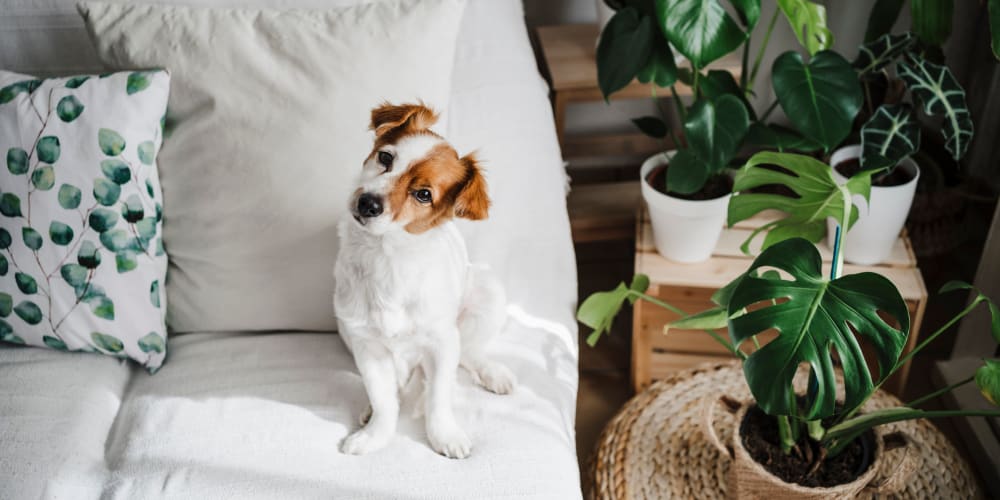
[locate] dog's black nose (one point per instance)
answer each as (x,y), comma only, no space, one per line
(369,205)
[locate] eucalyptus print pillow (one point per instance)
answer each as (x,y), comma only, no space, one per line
(82,264)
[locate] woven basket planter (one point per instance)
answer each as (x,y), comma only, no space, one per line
(656,446)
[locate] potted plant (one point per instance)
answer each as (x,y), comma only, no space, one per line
(817,317)
(687,189)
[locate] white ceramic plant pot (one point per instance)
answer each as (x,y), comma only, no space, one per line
(871,238)
(683,230)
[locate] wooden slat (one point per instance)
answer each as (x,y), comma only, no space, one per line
(603,211)
(599,145)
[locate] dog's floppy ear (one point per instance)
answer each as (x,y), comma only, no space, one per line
(410,117)
(472,202)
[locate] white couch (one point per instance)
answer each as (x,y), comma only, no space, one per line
(260,415)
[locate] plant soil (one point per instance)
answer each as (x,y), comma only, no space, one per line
(759,433)
(717,186)
(896,177)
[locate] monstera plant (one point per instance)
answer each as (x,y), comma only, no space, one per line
(820,319)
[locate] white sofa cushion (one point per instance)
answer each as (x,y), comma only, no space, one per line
(267,127)
(81,259)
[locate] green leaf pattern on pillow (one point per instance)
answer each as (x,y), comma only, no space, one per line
(84,198)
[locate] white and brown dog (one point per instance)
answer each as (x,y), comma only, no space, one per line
(409,304)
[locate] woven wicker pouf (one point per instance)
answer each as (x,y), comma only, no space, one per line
(655,447)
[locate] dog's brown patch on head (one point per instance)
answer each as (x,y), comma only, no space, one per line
(456,185)
(391,121)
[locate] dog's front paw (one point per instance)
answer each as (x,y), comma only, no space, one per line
(495,377)
(363,441)
(449,441)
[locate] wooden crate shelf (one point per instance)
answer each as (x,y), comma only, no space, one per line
(690,286)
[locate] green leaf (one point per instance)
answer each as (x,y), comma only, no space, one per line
(821,98)
(819,197)
(779,138)
(640,283)
(102,219)
(76,81)
(8,93)
(7,332)
(147,152)
(686,173)
(154,293)
(17,161)
(882,17)
(955,285)
(116,170)
(936,87)
(101,306)
(879,53)
(44,177)
(132,210)
(60,233)
(651,126)
(10,205)
(988,380)
(718,82)
(818,315)
(152,342)
(31,238)
(106,192)
(889,136)
(107,342)
(623,49)
(159,247)
(995,321)
(599,310)
(29,312)
(701,30)
(993,8)
(69,197)
(89,256)
(149,189)
(111,143)
(808,21)
(48,149)
(54,343)
(5,239)
(748,12)
(931,20)
(6,304)
(710,319)
(136,82)
(146,229)
(3,266)
(126,261)
(74,274)
(25,283)
(69,108)
(159,212)
(115,240)
(660,69)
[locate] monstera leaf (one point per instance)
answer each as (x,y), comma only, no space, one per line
(890,135)
(702,30)
(877,54)
(660,69)
(935,86)
(714,131)
(813,316)
(623,49)
(819,197)
(808,21)
(821,98)
(599,310)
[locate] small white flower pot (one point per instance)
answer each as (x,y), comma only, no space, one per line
(683,230)
(871,238)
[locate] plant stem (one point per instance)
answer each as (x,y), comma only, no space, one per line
(837,267)
(816,430)
(694,83)
(663,116)
(785,434)
(902,361)
(768,111)
(744,62)
(939,392)
(857,425)
(655,301)
(763,48)
(679,103)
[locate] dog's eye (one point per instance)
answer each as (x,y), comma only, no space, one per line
(385,159)
(422,195)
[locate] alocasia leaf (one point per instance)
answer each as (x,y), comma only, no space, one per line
(623,49)
(889,136)
(881,18)
(936,87)
(931,20)
(879,53)
(814,315)
(701,30)
(820,98)
(819,197)
(808,21)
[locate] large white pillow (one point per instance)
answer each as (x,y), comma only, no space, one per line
(81,259)
(266,129)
